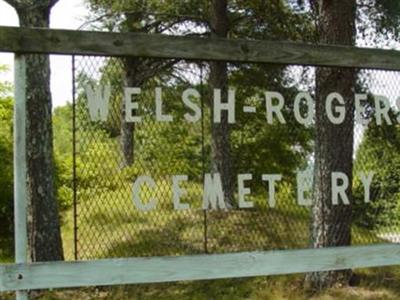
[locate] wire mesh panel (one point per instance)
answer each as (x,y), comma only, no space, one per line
(112,154)
(109,225)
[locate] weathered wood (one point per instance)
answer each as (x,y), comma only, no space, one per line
(20,186)
(14,39)
(164,269)
(20,167)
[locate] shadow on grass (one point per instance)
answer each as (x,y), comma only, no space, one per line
(177,237)
(383,277)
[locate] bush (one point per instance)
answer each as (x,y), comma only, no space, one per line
(379,152)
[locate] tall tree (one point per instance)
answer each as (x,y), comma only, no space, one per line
(331,224)
(44,227)
(137,71)
(247,19)
(142,17)
(218,79)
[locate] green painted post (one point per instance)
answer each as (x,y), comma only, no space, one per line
(20,185)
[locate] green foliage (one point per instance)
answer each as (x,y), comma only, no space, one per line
(147,16)
(271,20)
(379,152)
(62,127)
(5,87)
(6,168)
(383,15)
(280,148)
(91,157)
(259,147)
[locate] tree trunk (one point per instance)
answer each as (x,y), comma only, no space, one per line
(44,227)
(220,144)
(331,224)
(128,128)
(126,140)
(134,72)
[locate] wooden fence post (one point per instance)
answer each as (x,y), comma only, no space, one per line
(20,180)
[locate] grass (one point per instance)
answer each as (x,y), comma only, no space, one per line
(374,284)
(112,227)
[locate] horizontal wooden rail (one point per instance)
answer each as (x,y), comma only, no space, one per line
(31,40)
(163,269)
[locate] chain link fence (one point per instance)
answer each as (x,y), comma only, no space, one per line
(105,220)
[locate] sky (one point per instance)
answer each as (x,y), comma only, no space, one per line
(66,14)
